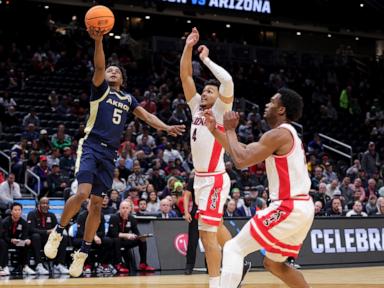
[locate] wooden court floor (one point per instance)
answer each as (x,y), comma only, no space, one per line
(367,277)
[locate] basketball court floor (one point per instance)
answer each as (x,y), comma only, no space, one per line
(367,277)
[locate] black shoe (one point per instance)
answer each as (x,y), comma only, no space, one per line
(246,267)
(188,270)
(291,262)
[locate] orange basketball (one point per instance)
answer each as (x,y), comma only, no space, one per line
(100,17)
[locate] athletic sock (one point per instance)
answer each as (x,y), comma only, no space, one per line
(85,247)
(60,229)
(214,282)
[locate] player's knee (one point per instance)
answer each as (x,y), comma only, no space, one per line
(95,206)
(82,195)
(231,247)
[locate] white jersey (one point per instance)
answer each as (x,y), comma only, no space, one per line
(207,153)
(288,174)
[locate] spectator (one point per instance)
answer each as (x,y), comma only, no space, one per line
(370,160)
(236,195)
(371,206)
(315,146)
(114,200)
(178,115)
(101,245)
(6,100)
(123,229)
(153,205)
(142,208)
(315,181)
(371,189)
(41,223)
(230,211)
(233,175)
(245,132)
(332,187)
(119,184)
(145,147)
(165,209)
(67,163)
(56,182)
(9,190)
(353,171)
(42,171)
(61,140)
(133,196)
(30,133)
(380,206)
(336,208)
(31,118)
(44,143)
(148,104)
(137,179)
(145,132)
(246,210)
(105,208)
(329,174)
(346,189)
(122,164)
(54,158)
(16,237)
(319,208)
(357,210)
(357,186)
(321,195)
(157,179)
(10,117)
(171,154)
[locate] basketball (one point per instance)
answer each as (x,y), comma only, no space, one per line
(100,17)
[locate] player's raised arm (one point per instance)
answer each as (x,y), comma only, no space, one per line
(226,82)
(99,57)
(186,65)
(156,123)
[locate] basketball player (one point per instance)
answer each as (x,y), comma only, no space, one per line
(282,227)
(110,106)
(211,183)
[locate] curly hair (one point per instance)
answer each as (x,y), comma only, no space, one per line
(292,102)
(123,72)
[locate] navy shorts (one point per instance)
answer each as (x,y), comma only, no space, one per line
(95,165)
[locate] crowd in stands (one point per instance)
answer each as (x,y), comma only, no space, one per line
(153,171)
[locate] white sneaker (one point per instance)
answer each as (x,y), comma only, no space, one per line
(40,269)
(77,265)
(52,245)
(2,273)
(28,270)
(60,269)
(6,271)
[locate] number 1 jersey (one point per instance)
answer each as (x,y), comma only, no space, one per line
(207,153)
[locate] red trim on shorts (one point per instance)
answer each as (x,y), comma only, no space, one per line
(216,151)
(270,248)
(283,174)
(213,203)
(285,208)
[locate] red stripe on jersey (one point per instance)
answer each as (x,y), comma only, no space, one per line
(216,151)
(213,203)
(270,248)
(284,181)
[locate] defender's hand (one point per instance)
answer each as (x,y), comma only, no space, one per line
(231,120)
(210,120)
(204,52)
(175,130)
(187,217)
(192,38)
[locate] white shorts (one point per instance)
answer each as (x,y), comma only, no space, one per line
(282,227)
(211,191)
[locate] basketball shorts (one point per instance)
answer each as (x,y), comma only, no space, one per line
(211,192)
(282,227)
(95,165)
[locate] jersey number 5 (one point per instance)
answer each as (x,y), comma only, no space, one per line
(116,119)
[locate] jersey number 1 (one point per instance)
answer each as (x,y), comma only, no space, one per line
(116,119)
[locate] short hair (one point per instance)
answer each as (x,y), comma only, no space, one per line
(14,204)
(212,82)
(123,73)
(292,102)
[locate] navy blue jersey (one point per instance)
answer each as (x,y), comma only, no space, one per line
(108,114)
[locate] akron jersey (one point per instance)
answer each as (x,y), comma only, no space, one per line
(108,114)
(288,174)
(207,153)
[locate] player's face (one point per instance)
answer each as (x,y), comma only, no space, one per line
(272,109)
(209,96)
(114,76)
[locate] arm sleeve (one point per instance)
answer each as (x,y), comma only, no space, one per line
(226,83)
(194,103)
(219,108)
(98,92)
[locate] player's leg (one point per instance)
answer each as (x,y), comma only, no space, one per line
(72,206)
(233,257)
(223,235)
(290,276)
(212,253)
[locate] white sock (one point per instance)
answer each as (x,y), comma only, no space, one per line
(214,282)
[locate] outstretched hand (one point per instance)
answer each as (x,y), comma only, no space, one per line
(231,120)
(96,33)
(203,52)
(175,130)
(210,120)
(193,37)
